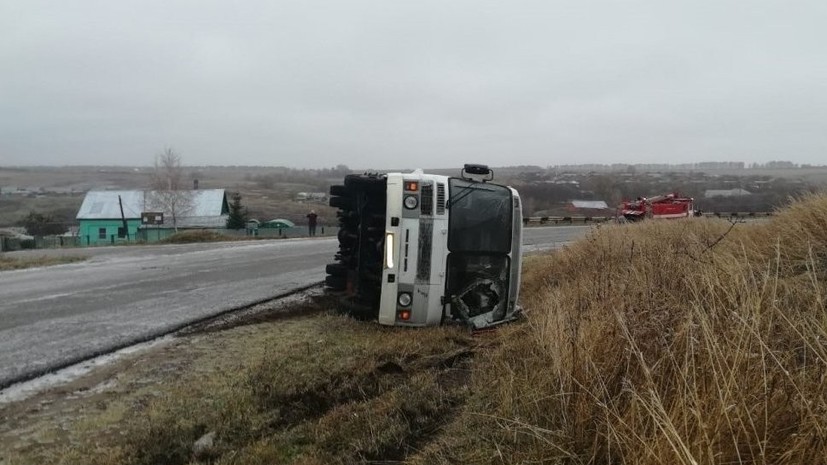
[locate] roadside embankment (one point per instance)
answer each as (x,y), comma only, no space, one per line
(681,342)
(299,385)
(15,263)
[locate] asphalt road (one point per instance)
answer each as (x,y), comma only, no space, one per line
(53,316)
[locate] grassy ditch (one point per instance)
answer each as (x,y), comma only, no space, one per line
(191,237)
(312,389)
(687,342)
(14,263)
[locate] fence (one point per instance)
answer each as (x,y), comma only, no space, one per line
(281,233)
(561,220)
(150,235)
(10,244)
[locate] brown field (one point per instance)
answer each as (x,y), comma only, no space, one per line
(64,207)
(267,192)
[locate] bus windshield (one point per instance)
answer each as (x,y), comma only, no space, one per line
(480,217)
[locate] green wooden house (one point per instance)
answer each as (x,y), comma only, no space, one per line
(102,215)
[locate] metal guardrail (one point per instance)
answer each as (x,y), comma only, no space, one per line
(551,220)
(565,219)
(737,214)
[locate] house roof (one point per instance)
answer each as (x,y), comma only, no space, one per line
(594,204)
(279,223)
(101,205)
(725,192)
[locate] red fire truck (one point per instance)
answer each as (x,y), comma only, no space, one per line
(659,207)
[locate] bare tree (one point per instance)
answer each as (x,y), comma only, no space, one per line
(170,189)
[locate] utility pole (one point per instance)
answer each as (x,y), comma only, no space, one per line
(123,218)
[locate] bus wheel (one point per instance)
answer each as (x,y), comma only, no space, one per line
(356,309)
(335,283)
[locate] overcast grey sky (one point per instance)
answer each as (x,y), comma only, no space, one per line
(380,84)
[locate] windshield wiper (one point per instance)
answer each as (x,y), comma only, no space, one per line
(464,193)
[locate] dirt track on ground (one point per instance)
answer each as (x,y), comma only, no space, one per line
(99,413)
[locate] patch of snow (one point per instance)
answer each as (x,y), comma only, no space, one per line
(26,389)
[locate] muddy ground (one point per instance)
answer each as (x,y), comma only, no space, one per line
(289,382)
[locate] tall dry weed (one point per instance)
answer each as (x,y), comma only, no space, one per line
(689,342)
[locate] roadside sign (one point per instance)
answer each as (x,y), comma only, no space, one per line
(152,218)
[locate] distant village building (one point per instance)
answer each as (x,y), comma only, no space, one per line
(589,207)
(567,182)
(313,196)
(14,190)
(737,192)
(661,167)
(101,221)
(589,204)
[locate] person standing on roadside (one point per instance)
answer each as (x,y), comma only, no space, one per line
(311,223)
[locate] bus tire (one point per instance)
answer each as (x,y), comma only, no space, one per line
(335,283)
(356,309)
(339,190)
(344,203)
(336,269)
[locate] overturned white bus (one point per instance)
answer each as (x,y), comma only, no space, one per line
(418,249)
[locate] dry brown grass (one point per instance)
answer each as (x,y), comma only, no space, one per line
(14,263)
(323,389)
(647,344)
(190,237)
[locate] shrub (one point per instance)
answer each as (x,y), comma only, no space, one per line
(187,237)
(38,224)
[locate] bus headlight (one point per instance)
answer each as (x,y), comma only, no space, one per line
(410,202)
(389,250)
(404,299)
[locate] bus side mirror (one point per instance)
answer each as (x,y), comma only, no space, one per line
(477,170)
